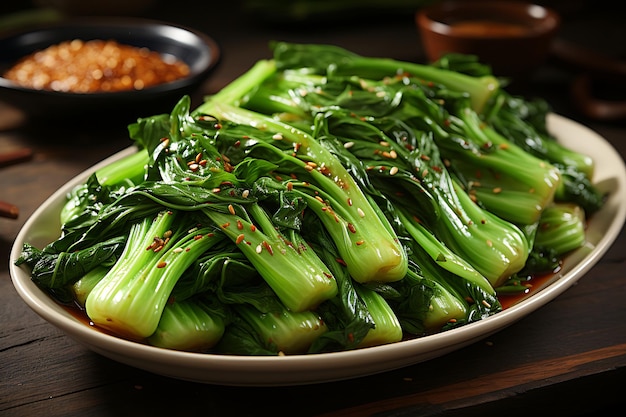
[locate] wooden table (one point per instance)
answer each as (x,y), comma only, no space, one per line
(568,358)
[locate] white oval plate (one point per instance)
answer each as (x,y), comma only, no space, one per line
(43,227)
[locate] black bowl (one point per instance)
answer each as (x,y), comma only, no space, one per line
(197,50)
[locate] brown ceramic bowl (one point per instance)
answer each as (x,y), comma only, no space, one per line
(512,37)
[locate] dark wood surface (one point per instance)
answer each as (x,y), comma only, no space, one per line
(568,358)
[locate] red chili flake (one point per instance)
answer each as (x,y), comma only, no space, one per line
(237,143)
(289,186)
(341,261)
(217,126)
(328,275)
(268,247)
(239,225)
(197,237)
(253,228)
(325,170)
(351,337)
(231,209)
(349,201)
(360,242)
(161,264)
(240,239)
(225,225)
(351,228)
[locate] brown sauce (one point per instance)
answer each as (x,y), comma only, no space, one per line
(94,66)
(482,28)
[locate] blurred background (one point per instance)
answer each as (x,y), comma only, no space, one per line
(595,27)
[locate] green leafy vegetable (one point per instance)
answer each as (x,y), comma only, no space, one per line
(322,201)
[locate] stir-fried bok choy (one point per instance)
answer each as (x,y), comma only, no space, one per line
(322,201)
